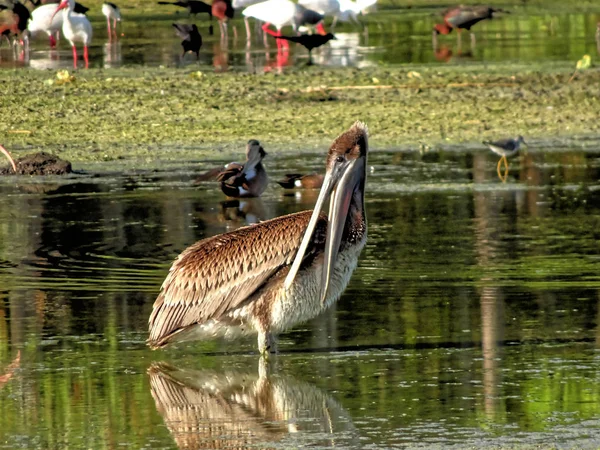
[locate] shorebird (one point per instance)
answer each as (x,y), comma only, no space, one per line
(504,148)
(192,40)
(267,277)
(111,11)
(75,27)
(309,41)
(246,180)
(297,180)
(463,18)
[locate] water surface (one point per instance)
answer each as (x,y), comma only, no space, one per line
(472,319)
(401,36)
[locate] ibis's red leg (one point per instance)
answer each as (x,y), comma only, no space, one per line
(52,41)
(74,57)
(85,56)
(108,27)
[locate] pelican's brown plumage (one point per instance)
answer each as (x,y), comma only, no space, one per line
(270,276)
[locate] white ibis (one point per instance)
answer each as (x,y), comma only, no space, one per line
(43,20)
(76,28)
(268,277)
(279,13)
(111,12)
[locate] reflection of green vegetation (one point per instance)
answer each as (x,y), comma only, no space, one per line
(166,114)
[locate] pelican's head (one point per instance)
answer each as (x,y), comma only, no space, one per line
(344,183)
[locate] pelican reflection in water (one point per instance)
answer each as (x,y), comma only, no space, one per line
(208,409)
(268,277)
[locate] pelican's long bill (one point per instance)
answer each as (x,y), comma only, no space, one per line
(346,173)
(12,161)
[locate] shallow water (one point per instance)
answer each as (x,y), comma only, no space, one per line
(389,37)
(472,319)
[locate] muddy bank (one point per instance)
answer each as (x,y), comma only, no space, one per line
(38,164)
(177,114)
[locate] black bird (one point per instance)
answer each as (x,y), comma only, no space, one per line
(305,16)
(23,16)
(192,41)
(309,41)
(79,8)
(193,6)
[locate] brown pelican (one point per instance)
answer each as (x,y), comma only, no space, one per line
(217,409)
(267,277)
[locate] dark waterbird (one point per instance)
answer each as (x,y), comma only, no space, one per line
(193,6)
(308,17)
(265,278)
(79,8)
(309,41)
(463,18)
(249,179)
(505,148)
(297,180)
(192,40)
(21,18)
(222,10)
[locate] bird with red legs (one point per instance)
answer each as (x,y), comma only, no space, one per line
(463,18)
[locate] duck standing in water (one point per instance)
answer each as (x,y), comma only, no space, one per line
(268,277)
(249,179)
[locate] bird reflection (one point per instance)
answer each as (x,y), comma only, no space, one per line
(245,212)
(210,409)
(111,53)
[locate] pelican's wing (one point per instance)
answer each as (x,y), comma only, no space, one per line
(216,275)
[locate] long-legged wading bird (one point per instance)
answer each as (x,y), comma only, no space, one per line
(249,179)
(504,148)
(191,38)
(463,18)
(267,277)
(76,27)
(111,11)
(309,41)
